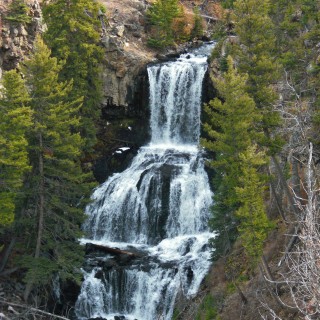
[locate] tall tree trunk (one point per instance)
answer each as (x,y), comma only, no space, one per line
(276,197)
(41,214)
(6,254)
(285,186)
(241,294)
(41,199)
(266,268)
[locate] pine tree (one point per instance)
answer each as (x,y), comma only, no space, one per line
(18,12)
(161,15)
(57,189)
(254,224)
(231,127)
(73,36)
(298,35)
(15,122)
(232,121)
(257,56)
(197,30)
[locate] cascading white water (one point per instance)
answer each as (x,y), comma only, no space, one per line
(158,207)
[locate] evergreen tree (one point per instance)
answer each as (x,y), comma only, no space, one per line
(161,15)
(15,121)
(257,56)
(298,35)
(254,224)
(197,30)
(73,36)
(231,127)
(18,12)
(57,189)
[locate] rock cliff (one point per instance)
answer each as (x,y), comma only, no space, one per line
(16,39)
(126,54)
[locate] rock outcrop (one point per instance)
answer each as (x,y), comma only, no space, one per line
(16,39)
(124,40)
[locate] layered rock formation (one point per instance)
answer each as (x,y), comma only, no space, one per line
(124,40)
(16,39)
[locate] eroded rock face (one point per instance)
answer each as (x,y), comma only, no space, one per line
(126,56)
(16,39)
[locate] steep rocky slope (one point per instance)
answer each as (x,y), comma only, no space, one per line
(16,39)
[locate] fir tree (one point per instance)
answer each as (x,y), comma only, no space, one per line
(197,30)
(161,15)
(254,224)
(257,56)
(57,189)
(231,128)
(73,36)
(15,118)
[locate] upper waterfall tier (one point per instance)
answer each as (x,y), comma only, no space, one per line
(175,100)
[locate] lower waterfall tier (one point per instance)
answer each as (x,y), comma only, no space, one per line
(157,209)
(143,287)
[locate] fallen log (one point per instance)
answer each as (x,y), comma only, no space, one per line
(209,17)
(92,246)
(32,310)
(8,272)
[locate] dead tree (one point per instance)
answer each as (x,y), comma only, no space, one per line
(302,278)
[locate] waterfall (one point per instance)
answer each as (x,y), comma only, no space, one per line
(158,208)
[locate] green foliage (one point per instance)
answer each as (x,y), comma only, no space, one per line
(197,30)
(257,55)
(73,36)
(254,224)
(223,220)
(15,115)
(231,123)
(298,35)
(18,12)
(231,128)
(207,310)
(228,4)
(103,9)
(161,16)
(55,148)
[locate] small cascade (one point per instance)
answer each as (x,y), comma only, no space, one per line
(158,208)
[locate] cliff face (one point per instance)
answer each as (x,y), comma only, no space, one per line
(16,39)
(126,54)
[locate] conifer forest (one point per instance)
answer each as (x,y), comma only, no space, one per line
(160,159)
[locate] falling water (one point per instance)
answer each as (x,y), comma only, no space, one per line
(158,208)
